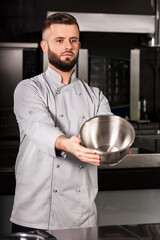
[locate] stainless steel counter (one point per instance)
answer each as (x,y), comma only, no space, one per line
(136,161)
(119,232)
(136,171)
(115,232)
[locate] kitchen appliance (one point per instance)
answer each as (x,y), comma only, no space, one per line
(145,76)
(109,135)
(145,84)
(17,61)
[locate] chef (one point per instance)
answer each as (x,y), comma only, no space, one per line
(56,177)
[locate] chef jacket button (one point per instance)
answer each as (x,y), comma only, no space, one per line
(61,115)
(78,190)
(81,166)
(79,93)
(82,116)
(54,190)
(58,166)
(30,112)
(58,92)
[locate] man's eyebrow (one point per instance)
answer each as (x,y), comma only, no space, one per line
(74,38)
(64,37)
(59,37)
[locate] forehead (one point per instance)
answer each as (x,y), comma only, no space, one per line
(63,30)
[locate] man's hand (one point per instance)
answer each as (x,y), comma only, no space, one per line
(73,145)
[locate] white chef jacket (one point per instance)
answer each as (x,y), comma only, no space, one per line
(52,191)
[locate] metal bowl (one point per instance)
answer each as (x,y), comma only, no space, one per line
(109,135)
(21,236)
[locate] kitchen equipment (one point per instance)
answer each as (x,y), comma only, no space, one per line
(23,59)
(22,236)
(145,84)
(109,135)
(33,235)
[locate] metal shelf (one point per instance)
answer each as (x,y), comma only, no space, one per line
(120,23)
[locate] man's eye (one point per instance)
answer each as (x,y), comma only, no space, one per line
(73,40)
(59,40)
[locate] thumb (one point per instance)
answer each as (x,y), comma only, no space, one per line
(76,139)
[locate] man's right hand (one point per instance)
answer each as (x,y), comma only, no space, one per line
(73,145)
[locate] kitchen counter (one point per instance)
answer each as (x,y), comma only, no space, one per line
(119,232)
(136,171)
(136,161)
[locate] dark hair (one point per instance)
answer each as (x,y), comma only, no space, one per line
(60,18)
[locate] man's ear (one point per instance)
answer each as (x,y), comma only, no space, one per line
(44,46)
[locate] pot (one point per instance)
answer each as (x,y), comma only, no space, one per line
(32,235)
(21,236)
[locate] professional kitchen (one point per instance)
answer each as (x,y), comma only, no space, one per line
(119,54)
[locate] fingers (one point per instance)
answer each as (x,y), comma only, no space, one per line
(91,161)
(76,139)
(84,154)
(89,156)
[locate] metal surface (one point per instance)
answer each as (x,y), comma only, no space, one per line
(83,65)
(119,208)
(149,143)
(136,161)
(11,63)
(134,84)
(111,136)
(99,22)
(18,45)
(21,236)
(11,68)
(45,62)
(157,23)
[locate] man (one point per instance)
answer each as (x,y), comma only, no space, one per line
(56,177)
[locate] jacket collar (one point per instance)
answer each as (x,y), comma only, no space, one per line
(54,76)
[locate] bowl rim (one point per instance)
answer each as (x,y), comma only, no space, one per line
(109,116)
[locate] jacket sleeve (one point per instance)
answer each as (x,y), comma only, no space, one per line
(103,106)
(33,117)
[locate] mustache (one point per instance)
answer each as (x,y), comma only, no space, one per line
(68,52)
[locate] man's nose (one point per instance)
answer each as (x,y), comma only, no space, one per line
(68,44)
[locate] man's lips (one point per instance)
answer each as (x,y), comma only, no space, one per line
(68,54)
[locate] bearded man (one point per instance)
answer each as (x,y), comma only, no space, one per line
(56,177)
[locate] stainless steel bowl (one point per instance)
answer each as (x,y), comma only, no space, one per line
(21,236)
(109,135)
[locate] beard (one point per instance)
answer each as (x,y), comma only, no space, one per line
(65,65)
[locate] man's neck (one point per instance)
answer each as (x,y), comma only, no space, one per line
(66,76)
